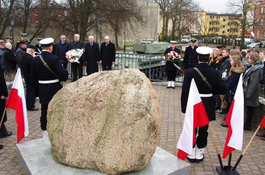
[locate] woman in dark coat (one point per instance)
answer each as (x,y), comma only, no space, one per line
(251,86)
(171,70)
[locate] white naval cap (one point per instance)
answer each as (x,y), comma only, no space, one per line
(204,50)
(173,42)
(46,42)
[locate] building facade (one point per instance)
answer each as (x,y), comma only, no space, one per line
(259,25)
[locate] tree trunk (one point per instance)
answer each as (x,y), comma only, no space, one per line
(7,19)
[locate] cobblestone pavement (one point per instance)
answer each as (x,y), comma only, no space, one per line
(253,161)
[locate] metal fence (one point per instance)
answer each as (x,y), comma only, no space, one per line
(153,66)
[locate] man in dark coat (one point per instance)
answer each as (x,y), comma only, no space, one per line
(23,37)
(3,95)
(91,56)
(60,50)
(9,59)
(107,54)
(191,56)
(218,86)
(38,48)
(26,67)
(171,70)
(77,44)
(46,82)
(21,52)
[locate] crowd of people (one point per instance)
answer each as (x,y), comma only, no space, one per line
(44,67)
(216,73)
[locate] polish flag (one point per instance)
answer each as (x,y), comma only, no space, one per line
(262,124)
(195,116)
(16,101)
(235,121)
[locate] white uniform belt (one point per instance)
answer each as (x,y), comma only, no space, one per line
(48,81)
(206,95)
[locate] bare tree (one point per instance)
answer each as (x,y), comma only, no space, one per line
(5,13)
(247,21)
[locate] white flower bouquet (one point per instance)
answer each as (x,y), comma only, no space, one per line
(74,55)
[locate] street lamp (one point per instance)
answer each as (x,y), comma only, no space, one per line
(12,23)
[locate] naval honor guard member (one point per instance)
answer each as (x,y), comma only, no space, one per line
(171,70)
(208,82)
(191,56)
(46,74)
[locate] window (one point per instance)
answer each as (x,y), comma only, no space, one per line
(223,32)
(261,10)
(261,22)
(218,17)
(211,23)
(263,33)
(236,30)
(210,29)
(217,23)
(36,13)
(229,23)
(65,13)
(212,16)
(217,29)
(223,26)
(228,30)
(59,13)
(224,20)
(51,23)
(52,13)
(236,24)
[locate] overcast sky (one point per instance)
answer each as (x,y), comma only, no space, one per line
(218,6)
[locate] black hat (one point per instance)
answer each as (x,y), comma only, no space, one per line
(23,34)
(31,46)
(46,42)
(193,40)
(2,38)
(2,43)
(22,42)
(9,37)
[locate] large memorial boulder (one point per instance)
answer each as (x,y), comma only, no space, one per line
(108,121)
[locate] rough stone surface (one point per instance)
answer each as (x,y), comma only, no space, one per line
(109,121)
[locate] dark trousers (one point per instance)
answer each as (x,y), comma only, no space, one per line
(201,140)
(171,75)
(3,130)
(250,113)
(217,101)
(43,117)
(30,98)
(106,67)
(79,67)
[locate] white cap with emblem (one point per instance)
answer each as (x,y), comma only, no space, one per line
(46,42)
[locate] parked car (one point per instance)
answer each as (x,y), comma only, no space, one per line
(217,37)
(253,45)
(185,39)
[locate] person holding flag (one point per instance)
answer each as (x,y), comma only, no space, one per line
(208,82)
(3,95)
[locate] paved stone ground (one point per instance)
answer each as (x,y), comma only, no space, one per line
(172,120)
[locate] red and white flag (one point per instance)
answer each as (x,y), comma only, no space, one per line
(235,121)
(262,124)
(195,116)
(17,102)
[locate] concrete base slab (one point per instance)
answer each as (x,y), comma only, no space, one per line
(36,159)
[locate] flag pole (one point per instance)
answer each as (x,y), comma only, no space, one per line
(229,161)
(2,118)
(241,156)
(216,148)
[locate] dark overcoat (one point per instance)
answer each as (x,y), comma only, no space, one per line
(10,61)
(190,58)
(213,77)
(61,49)
(39,72)
(3,91)
(26,68)
(91,56)
(107,53)
(169,66)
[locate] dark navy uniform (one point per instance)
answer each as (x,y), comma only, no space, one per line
(206,93)
(44,82)
(190,58)
(171,70)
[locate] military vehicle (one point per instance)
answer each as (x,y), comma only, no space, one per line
(148,57)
